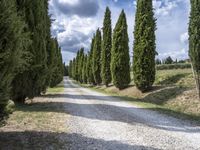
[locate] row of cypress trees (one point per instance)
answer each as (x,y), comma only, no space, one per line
(30,59)
(115,56)
(109,61)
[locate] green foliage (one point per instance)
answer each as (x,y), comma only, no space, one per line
(89,64)
(144,46)
(70,70)
(96,64)
(194,40)
(173,66)
(168,60)
(80,65)
(120,60)
(106,48)
(13,43)
(84,70)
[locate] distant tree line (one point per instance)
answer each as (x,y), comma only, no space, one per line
(108,59)
(169,60)
(30,59)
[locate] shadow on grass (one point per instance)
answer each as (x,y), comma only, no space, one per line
(172,80)
(33,140)
(163,95)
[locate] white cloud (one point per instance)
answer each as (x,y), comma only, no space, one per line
(184,38)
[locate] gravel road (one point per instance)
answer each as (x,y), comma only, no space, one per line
(103,122)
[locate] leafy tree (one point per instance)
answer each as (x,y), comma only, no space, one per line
(144,46)
(106,48)
(96,66)
(194,41)
(14,41)
(158,62)
(120,60)
(168,60)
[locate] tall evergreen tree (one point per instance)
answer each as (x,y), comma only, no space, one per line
(106,48)
(90,64)
(74,68)
(96,66)
(84,70)
(144,45)
(80,65)
(120,60)
(194,41)
(33,81)
(70,68)
(14,41)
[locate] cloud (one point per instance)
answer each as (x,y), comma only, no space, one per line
(184,38)
(77,20)
(82,8)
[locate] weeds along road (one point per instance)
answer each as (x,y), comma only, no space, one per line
(103,122)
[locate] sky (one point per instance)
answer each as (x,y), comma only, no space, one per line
(75,22)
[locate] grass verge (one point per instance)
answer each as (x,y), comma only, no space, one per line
(38,124)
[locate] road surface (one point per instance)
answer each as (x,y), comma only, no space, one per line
(102,122)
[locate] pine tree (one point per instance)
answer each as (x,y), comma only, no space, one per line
(106,49)
(194,41)
(96,66)
(144,46)
(120,60)
(14,41)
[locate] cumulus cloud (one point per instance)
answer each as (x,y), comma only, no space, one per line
(82,8)
(77,20)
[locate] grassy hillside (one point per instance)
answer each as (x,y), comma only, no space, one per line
(174,92)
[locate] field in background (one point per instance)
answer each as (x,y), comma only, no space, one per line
(174,92)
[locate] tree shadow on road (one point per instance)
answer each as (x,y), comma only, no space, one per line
(103,112)
(33,140)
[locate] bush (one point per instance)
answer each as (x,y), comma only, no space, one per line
(173,66)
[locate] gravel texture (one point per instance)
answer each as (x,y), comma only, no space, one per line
(101,122)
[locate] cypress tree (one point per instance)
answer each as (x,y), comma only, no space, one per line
(194,41)
(106,49)
(144,46)
(80,65)
(120,59)
(90,64)
(14,41)
(84,71)
(70,68)
(96,66)
(33,80)
(58,72)
(74,68)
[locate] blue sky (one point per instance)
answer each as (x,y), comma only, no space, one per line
(77,20)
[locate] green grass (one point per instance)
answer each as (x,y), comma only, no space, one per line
(58,89)
(174,94)
(36,124)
